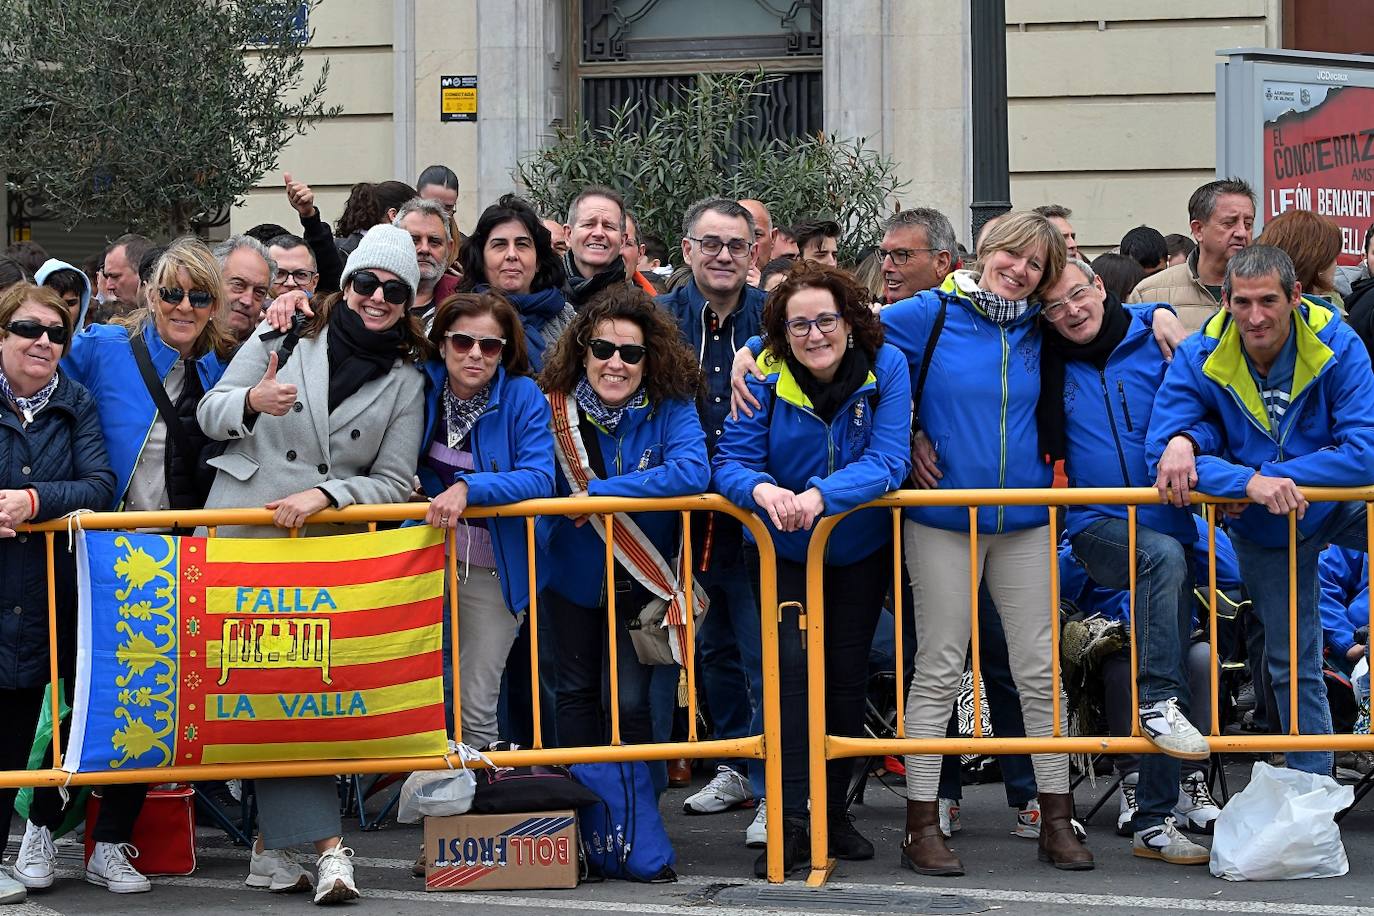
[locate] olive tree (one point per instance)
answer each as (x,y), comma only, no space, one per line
(698,145)
(151,114)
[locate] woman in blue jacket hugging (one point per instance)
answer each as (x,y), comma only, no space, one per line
(621,384)
(832,434)
(486,443)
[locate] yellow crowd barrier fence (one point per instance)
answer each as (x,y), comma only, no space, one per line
(823,746)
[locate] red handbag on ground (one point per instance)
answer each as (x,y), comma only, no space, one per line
(164,834)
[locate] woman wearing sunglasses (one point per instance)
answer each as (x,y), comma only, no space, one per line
(509,251)
(486,443)
(626,383)
(331,420)
(832,434)
(52,461)
(146,374)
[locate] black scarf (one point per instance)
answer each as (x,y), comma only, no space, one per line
(828,397)
(1055,352)
(581,289)
(356,354)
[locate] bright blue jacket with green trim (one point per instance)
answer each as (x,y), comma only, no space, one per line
(861,454)
(978,408)
(1325,439)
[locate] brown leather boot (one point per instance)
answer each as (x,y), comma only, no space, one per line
(1059,845)
(924,850)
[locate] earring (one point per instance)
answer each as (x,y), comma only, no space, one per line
(849,341)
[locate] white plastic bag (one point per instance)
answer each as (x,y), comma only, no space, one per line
(1282,826)
(439,793)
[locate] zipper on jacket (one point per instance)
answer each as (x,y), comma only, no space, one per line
(1125,408)
(1002,458)
(1111,417)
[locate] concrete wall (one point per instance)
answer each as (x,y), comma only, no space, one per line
(1112,105)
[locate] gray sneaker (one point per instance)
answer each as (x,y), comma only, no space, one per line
(1166,843)
(1169,730)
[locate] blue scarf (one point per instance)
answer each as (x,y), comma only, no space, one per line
(608,418)
(543,315)
(29,407)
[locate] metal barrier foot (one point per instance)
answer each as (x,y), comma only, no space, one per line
(820,873)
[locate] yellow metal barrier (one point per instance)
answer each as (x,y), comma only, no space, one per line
(756,747)
(823,746)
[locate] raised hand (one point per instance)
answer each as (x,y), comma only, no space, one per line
(269,395)
(300,196)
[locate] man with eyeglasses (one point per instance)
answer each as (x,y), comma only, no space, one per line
(295,265)
(1099,370)
(919,250)
(718,311)
(248,270)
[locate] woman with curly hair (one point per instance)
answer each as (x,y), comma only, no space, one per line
(622,386)
(510,252)
(368,204)
(832,433)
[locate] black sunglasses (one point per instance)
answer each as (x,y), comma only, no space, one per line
(365,283)
(630,354)
(172,295)
(32,330)
(490,346)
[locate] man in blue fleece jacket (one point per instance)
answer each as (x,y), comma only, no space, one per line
(1289,386)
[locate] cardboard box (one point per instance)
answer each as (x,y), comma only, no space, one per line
(485,852)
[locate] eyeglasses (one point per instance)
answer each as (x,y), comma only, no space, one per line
(900,256)
(1053,310)
(824,322)
(365,283)
(301,277)
(199,298)
(32,330)
(490,346)
(630,354)
(711,246)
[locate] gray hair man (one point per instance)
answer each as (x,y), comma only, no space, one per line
(248,269)
(431,231)
(919,250)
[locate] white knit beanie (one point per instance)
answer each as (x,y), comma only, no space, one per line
(385,247)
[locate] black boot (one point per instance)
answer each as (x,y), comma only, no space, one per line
(846,842)
(796,848)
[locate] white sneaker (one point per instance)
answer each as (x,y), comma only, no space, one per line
(949,817)
(36,863)
(1164,842)
(756,834)
(1028,823)
(11,891)
(109,867)
(727,789)
(1127,809)
(1196,810)
(278,871)
(1169,730)
(335,883)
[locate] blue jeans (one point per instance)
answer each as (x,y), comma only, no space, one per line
(1264,570)
(730,653)
(1163,626)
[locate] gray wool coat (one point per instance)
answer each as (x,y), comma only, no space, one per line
(363,452)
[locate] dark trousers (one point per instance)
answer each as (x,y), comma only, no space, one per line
(853,599)
(119,805)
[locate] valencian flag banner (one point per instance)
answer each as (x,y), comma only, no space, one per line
(224,650)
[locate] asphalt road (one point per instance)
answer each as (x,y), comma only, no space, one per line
(716,876)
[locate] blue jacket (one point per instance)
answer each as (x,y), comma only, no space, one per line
(1077,588)
(1106,416)
(1326,437)
(657,450)
(866,453)
(101,359)
(978,408)
(512,445)
(1344,602)
(688,307)
(61,455)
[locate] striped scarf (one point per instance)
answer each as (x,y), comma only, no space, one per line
(28,407)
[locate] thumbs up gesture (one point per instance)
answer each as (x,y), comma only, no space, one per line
(270,395)
(302,199)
